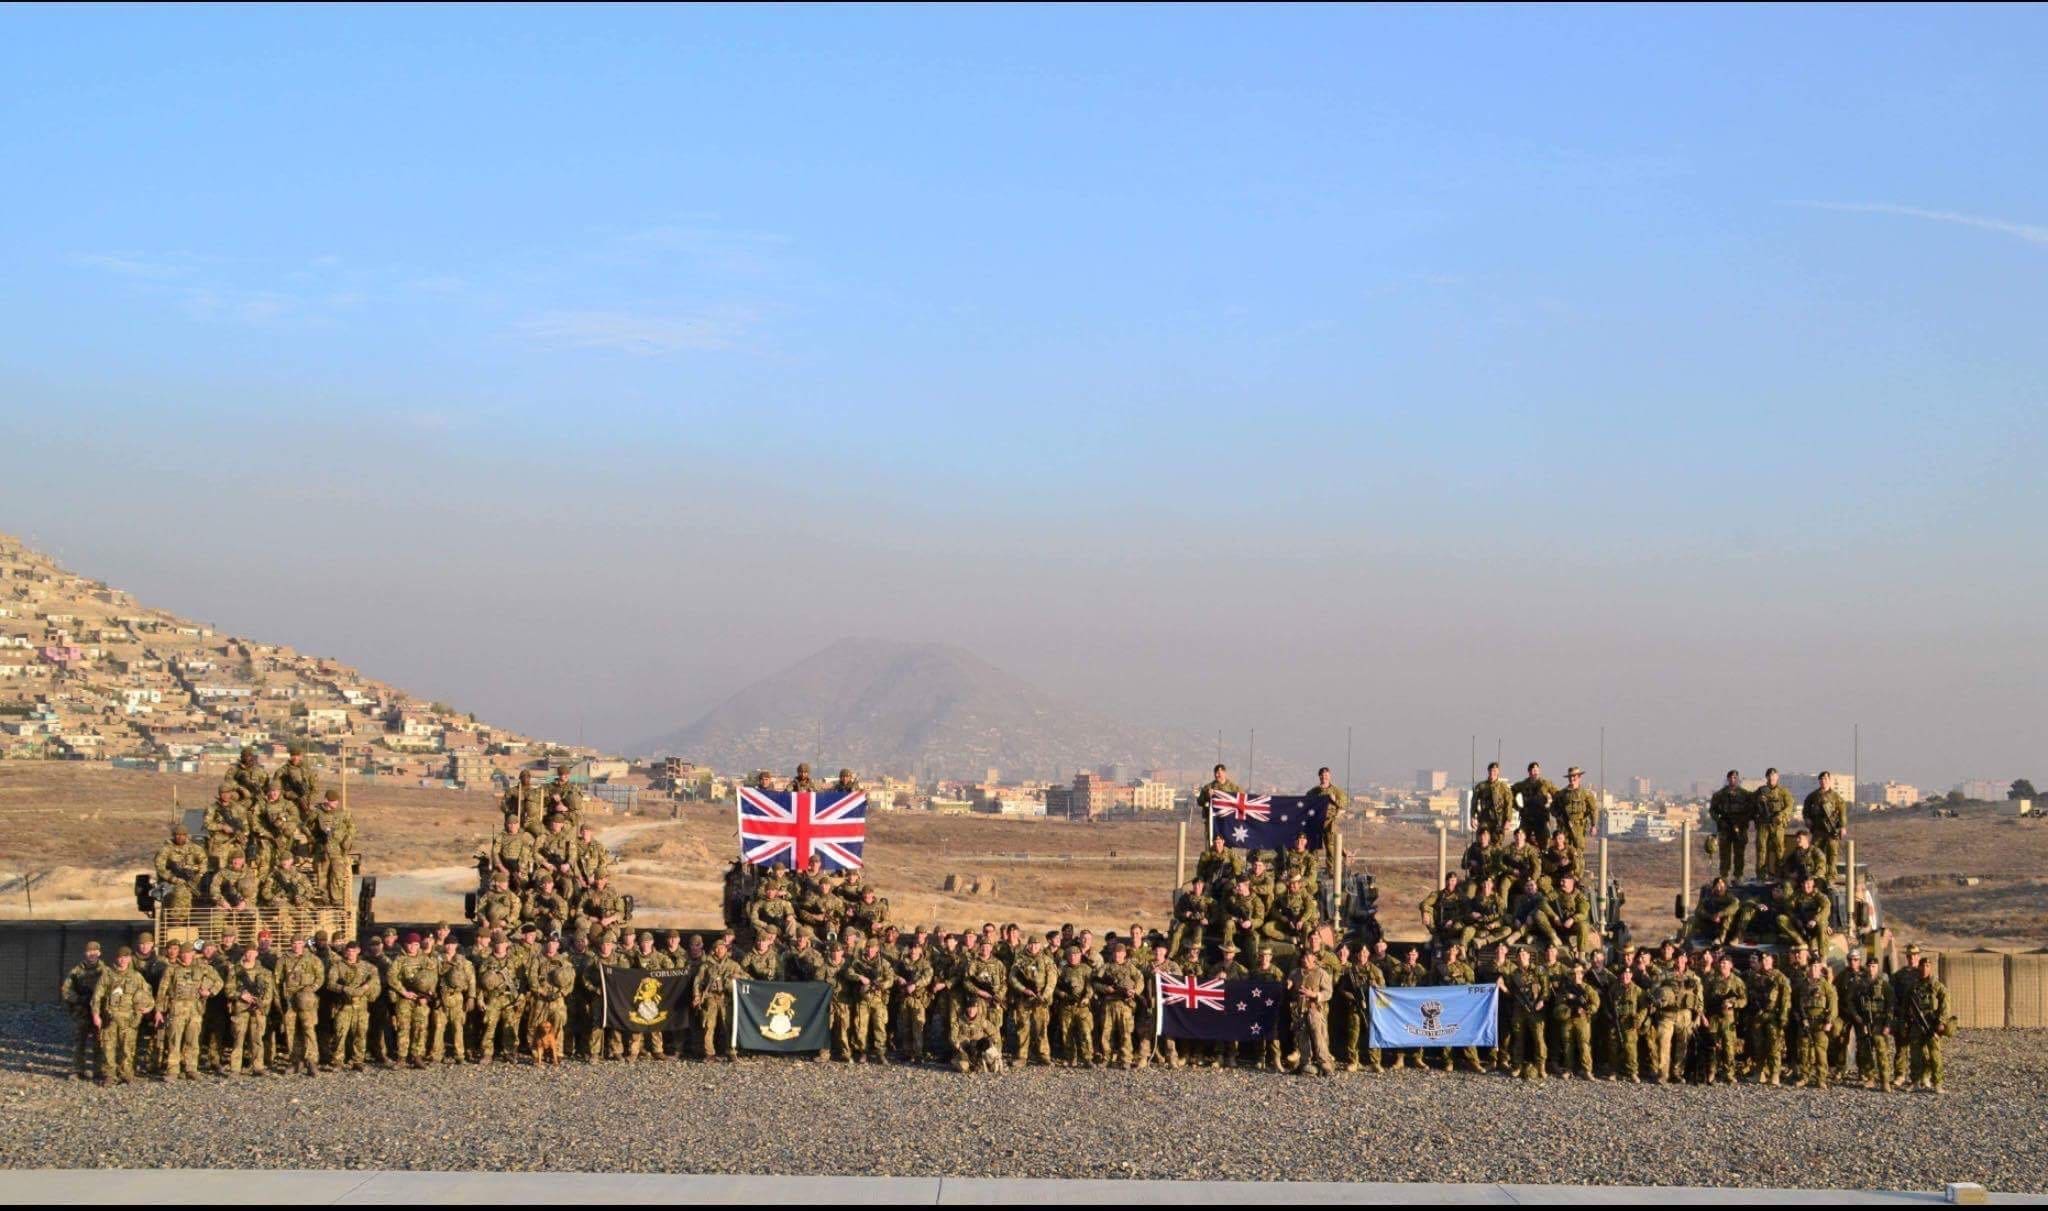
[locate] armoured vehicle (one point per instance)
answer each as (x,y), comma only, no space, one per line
(211,922)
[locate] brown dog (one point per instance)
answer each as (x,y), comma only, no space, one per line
(547,1043)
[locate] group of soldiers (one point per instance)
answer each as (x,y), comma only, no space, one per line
(274,841)
(1572,1000)
(546,867)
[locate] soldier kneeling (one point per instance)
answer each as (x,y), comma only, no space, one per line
(977,1044)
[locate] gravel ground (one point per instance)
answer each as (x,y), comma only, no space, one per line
(789,1117)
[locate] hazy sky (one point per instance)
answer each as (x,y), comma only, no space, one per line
(1436,371)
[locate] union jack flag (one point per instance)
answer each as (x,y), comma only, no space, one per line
(789,828)
(1241,806)
(1191,992)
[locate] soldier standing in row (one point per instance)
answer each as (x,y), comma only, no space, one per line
(1575,810)
(1493,802)
(1033,979)
(120,1001)
(248,988)
(1733,810)
(300,977)
(711,997)
(1771,810)
(1532,803)
(1074,998)
(1219,783)
(1826,819)
(1926,1014)
(78,987)
(1333,801)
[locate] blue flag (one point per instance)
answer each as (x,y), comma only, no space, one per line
(1266,821)
(1220,1010)
(1451,1015)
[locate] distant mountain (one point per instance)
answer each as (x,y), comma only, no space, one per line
(884,707)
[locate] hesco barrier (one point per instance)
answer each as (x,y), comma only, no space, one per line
(2026,989)
(1976,986)
(34,955)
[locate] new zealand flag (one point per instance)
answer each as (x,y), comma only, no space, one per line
(1220,1010)
(1266,821)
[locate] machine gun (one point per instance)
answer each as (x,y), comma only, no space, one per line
(1361,910)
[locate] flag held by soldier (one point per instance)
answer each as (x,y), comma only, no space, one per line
(1219,1010)
(1444,1015)
(789,828)
(1266,821)
(773,1015)
(641,1000)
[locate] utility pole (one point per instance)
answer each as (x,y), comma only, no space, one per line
(1347,762)
(1856,766)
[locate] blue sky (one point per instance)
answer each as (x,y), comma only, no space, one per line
(1663,350)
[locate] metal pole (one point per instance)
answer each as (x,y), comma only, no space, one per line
(1180,858)
(1856,777)
(1251,760)
(1600,894)
(1685,866)
(1472,767)
(1849,883)
(1443,853)
(1347,763)
(1336,888)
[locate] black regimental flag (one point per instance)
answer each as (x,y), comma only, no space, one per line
(638,999)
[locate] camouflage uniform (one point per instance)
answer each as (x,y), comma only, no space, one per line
(77,989)
(498,992)
(1726,996)
(1733,810)
(1532,799)
(1826,818)
(1926,1015)
(187,988)
(120,1000)
(354,984)
(248,994)
(300,978)
(1073,998)
(1033,979)
(711,995)
(1814,1007)
(1772,810)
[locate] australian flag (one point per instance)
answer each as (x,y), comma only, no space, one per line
(1266,821)
(1220,1010)
(789,828)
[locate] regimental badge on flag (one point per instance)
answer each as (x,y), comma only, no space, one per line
(1266,821)
(789,828)
(1224,1011)
(772,1015)
(641,1000)
(1445,1015)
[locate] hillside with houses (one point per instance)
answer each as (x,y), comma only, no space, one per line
(89,673)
